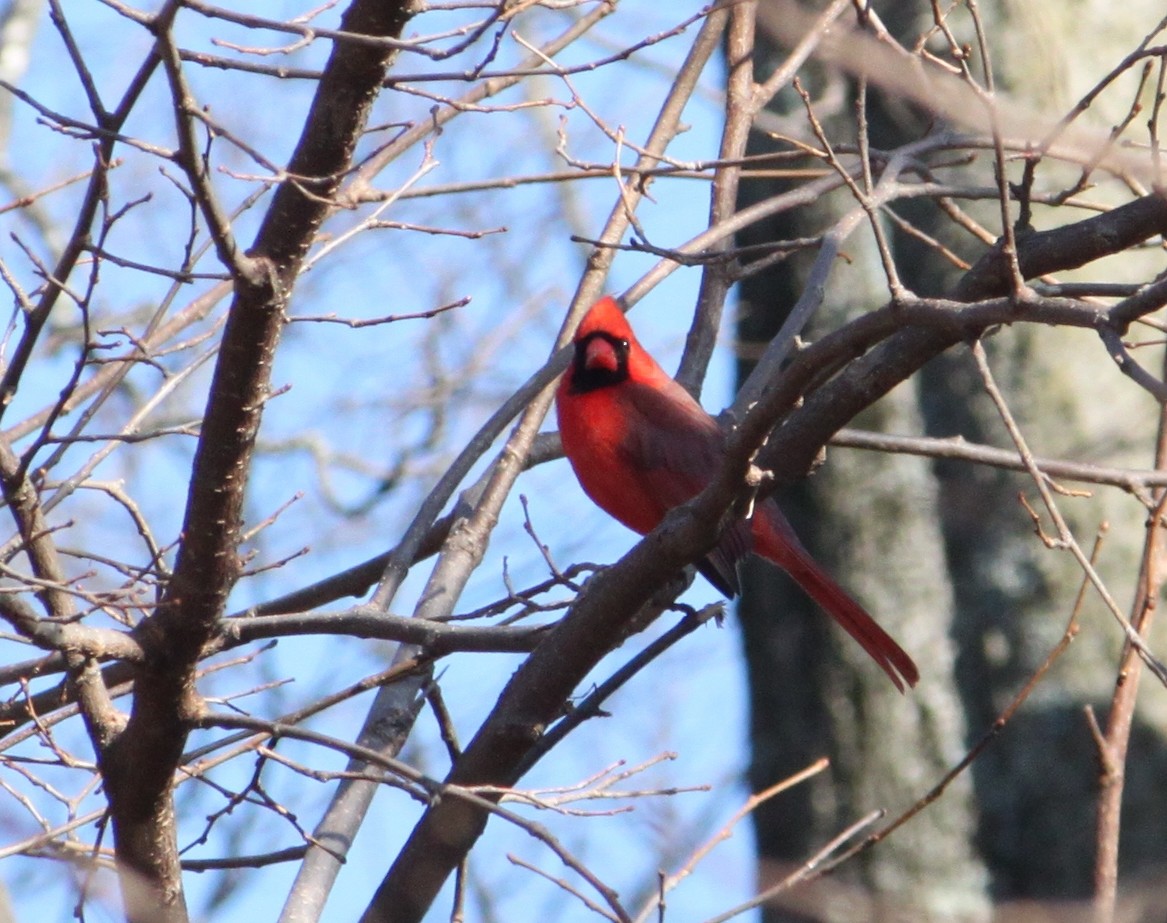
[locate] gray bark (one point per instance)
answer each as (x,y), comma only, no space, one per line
(946,559)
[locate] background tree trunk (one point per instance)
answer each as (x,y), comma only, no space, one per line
(873,521)
(945,557)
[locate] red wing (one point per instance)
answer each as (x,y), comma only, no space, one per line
(671,438)
(675,448)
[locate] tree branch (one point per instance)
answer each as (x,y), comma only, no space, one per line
(139,765)
(1066,247)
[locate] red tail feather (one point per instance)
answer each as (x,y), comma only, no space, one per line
(776,541)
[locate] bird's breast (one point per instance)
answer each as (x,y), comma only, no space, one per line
(596,441)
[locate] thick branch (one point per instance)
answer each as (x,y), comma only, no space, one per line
(534,699)
(447,831)
(1067,247)
(139,766)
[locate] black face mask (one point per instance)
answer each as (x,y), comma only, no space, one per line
(585,378)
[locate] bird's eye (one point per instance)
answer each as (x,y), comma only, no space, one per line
(624,344)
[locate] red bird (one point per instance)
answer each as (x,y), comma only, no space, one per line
(640,445)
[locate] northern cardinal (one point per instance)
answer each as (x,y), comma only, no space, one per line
(640,445)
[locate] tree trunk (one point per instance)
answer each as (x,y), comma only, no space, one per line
(946,559)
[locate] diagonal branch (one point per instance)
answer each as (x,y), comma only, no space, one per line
(448,831)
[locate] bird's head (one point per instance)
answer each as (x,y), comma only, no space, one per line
(603,343)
